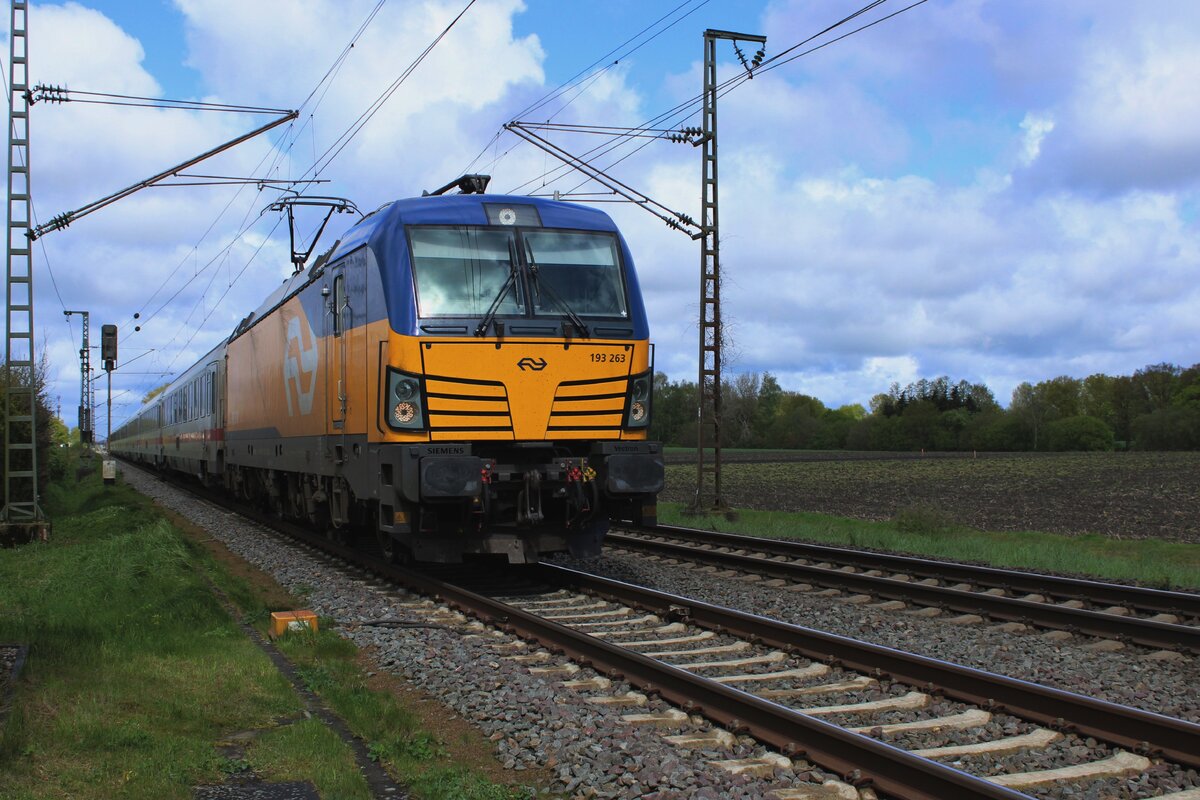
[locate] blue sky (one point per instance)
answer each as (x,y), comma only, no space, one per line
(997,190)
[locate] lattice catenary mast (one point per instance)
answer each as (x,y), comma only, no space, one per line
(708,413)
(20,418)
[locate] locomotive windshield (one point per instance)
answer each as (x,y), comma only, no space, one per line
(581,268)
(462,271)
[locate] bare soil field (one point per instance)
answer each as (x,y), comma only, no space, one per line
(1126,495)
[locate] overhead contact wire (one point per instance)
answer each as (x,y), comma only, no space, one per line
(575,80)
(688,108)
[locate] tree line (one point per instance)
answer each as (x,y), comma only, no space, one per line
(52,434)
(1155,408)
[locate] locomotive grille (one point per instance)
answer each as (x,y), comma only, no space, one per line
(458,405)
(589,406)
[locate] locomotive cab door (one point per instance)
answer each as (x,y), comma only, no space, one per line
(345,355)
(338,318)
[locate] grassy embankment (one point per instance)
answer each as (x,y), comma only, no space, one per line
(135,674)
(927,532)
(1114,516)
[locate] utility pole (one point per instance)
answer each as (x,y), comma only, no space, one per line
(21,508)
(708,496)
(708,413)
(85,387)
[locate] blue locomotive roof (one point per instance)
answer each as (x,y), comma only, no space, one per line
(384,233)
(467,209)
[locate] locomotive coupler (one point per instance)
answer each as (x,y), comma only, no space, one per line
(529,509)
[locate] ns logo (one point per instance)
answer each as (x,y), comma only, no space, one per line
(300,365)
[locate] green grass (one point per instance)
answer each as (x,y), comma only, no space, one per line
(1123,495)
(309,751)
(395,736)
(927,532)
(136,674)
(134,671)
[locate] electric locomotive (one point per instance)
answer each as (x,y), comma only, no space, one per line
(458,374)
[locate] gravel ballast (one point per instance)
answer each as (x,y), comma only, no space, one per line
(590,750)
(1131,676)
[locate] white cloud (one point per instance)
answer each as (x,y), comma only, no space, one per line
(113,261)
(1127,123)
(1036,126)
(992,190)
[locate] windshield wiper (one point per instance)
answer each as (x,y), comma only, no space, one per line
(509,283)
(558,301)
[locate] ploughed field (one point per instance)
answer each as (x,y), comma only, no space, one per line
(1129,495)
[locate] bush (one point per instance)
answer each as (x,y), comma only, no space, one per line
(925,520)
(999,431)
(1080,433)
(1168,429)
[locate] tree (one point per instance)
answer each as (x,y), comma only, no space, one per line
(1061,396)
(1175,428)
(882,404)
(919,423)
(46,430)
(1096,398)
(155,392)
(1078,433)
(1189,387)
(1029,405)
(1158,383)
(741,408)
(673,414)
(983,398)
(770,397)
(798,422)
(1128,401)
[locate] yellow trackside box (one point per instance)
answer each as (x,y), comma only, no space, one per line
(283,621)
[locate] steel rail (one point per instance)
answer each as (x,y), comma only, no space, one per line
(1048,615)
(1185,604)
(1174,739)
(860,759)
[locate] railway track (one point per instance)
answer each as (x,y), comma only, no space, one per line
(719,661)
(855,709)
(1147,617)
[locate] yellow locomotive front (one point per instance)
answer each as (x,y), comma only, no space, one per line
(515,381)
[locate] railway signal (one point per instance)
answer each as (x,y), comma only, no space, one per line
(108,346)
(108,354)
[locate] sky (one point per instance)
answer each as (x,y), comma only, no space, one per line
(994,190)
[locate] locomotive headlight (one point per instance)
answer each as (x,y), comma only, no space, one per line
(637,401)
(404,413)
(404,401)
(405,389)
